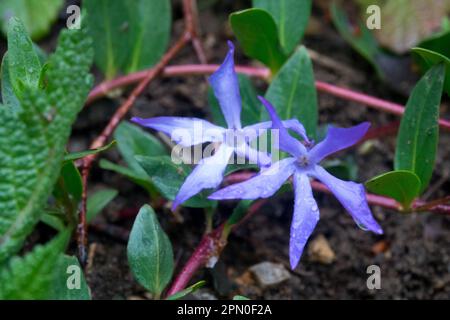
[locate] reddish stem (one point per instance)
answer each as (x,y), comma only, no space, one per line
(209,246)
(347,94)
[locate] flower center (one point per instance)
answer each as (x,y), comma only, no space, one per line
(303,161)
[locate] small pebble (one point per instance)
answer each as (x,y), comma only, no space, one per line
(269,274)
(319,250)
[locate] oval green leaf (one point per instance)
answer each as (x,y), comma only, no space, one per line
(419,131)
(401,185)
(128,36)
(427,58)
(257,33)
(291,17)
(150,252)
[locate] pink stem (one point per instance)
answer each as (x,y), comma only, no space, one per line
(264,73)
(207,247)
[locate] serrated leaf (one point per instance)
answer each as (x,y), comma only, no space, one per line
(24,65)
(428,58)
(419,131)
(293,92)
(257,33)
(98,201)
(401,185)
(8,96)
(251,108)
(291,17)
(69,282)
(31,276)
(168,177)
(188,290)
(128,36)
(32,141)
(150,252)
(37,16)
(78,155)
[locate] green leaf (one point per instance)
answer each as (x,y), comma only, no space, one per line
(24,65)
(31,276)
(8,96)
(55,219)
(69,281)
(150,32)
(419,131)
(293,92)
(238,297)
(143,181)
(98,201)
(401,185)
(291,17)
(150,252)
(363,42)
(168,178)
(82,154)
(109,27)
(239,212)
(251,107)
(37,16)
(345,169)
(257,33)
(438,43)
(33,140)
(133,141)
(428,58)
(69,183)
(128,36)
(188,290)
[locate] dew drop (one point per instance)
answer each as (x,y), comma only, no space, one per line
(362,226)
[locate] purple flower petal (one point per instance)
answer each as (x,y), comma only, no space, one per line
(293,124)
(207,174)
(338,139)
(185,131)
(262,185)
(306,216)
(254,156)
(226,89)
(352,196)
(287,142)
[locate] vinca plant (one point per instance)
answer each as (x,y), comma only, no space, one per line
(173,186)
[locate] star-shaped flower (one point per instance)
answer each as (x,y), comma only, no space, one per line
(303,164)
(234,139)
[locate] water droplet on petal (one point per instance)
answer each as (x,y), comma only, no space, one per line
(362,226)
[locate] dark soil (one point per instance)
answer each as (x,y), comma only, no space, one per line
(413,254)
